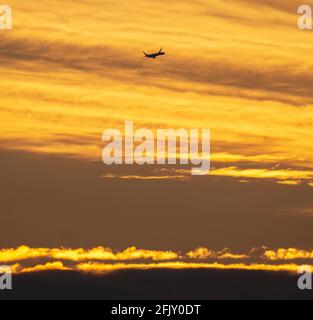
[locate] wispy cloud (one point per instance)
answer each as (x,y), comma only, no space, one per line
(72,73)
(137,177)
(289,177)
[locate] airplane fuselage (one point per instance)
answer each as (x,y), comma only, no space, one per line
(154,55)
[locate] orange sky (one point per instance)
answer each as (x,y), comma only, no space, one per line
(243,70)
(72,69)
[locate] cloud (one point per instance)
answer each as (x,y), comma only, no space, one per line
(287,6)
(256,81)
(99,253)
(288,254)
(100,260)
(284,176)
(137,177)
(289,177)
(42,267)
(204,253)
(100,268)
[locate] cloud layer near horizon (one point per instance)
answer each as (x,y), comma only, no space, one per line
(101,260)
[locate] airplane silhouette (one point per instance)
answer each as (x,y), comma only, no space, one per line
(154,55)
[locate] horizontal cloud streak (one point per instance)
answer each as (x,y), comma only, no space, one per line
(102,260)
(102,268)
(125,65)
(27,254)
(281,176)
(99,253)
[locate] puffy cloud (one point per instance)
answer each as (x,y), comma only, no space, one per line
(288,254)
(99,253)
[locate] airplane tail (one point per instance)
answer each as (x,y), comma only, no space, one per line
(160,50)
(145,54)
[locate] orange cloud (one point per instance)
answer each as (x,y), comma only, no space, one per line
(204,253)
(288,254)
(283,176)
(43,267)
(101,259)
(103,268)
(100,268)
(98,253)
(25,253)
(137,177)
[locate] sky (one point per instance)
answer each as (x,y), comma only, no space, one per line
(72,69)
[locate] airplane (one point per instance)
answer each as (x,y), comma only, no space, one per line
(154,55)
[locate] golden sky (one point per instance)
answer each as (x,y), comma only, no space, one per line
(71,69)
(240,68)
